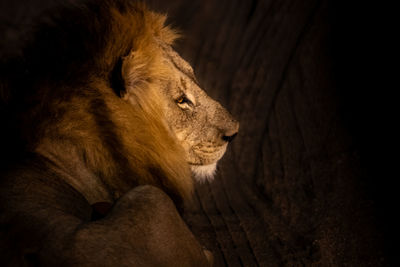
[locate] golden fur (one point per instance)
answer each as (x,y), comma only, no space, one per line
(104,85)
(124,144)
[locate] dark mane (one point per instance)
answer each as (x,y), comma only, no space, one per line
(59,58)
(66,87)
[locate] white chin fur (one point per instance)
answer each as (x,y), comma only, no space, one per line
(204,172)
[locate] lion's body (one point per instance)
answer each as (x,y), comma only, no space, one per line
(103,105)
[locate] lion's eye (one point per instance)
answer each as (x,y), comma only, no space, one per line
(183,100)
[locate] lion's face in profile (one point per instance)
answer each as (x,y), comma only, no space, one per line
(202,126)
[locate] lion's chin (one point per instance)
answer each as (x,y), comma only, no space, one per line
(204,173)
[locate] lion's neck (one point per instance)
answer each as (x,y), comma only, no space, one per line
(75,173)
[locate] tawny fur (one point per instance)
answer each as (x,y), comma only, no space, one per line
(90,118)
(99,90)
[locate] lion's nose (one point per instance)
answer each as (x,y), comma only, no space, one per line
(229,138)
(231,132)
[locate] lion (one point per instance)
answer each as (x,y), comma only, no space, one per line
(110,121)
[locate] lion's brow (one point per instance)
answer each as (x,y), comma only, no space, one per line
(185,71)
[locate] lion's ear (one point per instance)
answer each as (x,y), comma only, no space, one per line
(139,68)
(116,80)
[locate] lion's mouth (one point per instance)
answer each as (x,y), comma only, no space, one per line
(206,155)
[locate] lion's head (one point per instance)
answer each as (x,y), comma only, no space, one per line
(201,125)
(113,105)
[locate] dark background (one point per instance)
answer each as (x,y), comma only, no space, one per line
(309,179)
